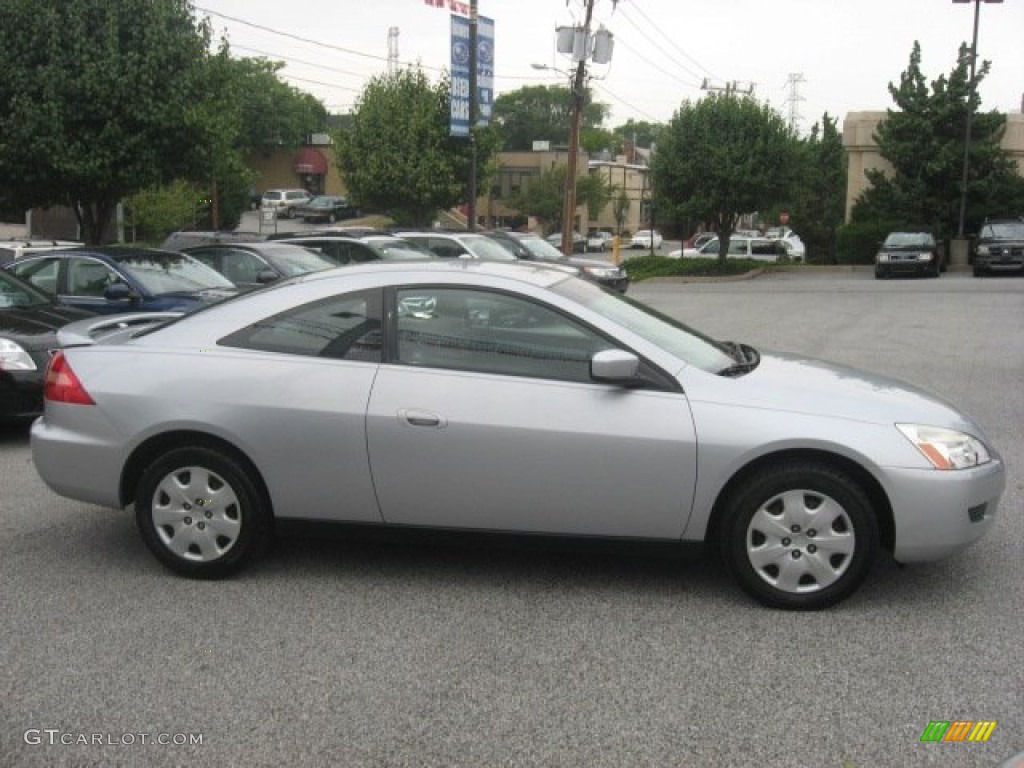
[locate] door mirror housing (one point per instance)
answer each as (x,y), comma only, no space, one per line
(266,276)
(118,292)
(616,366)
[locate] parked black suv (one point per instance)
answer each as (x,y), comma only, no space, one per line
(914,252)
(999,247)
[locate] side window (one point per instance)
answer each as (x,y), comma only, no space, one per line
(446,249)
(766,248)
(489,332)
(241,266)
(42,273)
(342,327)
(87,277)
(737,247)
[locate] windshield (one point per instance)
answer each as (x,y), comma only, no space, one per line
(396,248)
(542,249)
(1004,230)
(909,240)
(291,260)
(484,248)
(670,335)
(16,293)
(172,273)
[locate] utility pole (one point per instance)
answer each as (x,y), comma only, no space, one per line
(578,83)
(733,86)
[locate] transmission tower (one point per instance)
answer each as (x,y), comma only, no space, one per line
(794,98)
(392,50)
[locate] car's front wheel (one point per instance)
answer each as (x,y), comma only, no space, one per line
(201,512)
(800,536)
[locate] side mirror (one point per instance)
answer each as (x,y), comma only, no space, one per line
(266,276)
(616,366)
(118,292)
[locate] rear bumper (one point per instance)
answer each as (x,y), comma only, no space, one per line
(92,475)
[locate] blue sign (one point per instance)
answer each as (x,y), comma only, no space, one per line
(460,73)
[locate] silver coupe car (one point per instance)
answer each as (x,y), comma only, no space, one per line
(504,397)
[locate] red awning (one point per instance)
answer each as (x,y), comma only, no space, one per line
(309,160)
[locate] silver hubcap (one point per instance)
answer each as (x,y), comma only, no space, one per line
(800,541)
(196,514)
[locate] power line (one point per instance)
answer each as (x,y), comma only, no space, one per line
(309,41)
(657,28)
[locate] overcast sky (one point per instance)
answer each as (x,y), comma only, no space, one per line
(843,52)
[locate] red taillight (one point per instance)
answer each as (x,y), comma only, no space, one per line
(62,385)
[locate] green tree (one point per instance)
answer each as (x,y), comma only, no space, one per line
(398,156)
(923,141)
(99,99)
(541,113)
(641,133)
(817,203)
(719,158)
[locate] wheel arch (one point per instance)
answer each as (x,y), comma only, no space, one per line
(149,450)
(880,503)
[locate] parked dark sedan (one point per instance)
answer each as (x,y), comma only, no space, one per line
(250,265)
(909,253)
(327,208)
(29,320)
(108,279)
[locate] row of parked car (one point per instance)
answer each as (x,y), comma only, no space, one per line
(47,284)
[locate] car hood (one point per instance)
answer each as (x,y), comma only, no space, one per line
(34,326)
(799,385)
(583,263)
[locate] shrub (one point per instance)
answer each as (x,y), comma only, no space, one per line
(857,243)
(643,267)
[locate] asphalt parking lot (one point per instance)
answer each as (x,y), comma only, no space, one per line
(361,652)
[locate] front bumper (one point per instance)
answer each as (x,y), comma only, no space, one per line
(939,513)
(904,267)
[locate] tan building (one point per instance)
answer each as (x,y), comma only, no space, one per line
(517,170)
(862,151)
(311,167)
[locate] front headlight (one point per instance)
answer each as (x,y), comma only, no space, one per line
(13,357)
(946,448)
(924,257)
(603,271)
(882,257)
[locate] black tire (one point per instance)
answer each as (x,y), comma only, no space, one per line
(978,272)
(880,274)
(820,567)
(217,519)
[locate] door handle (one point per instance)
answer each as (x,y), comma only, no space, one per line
(419,418)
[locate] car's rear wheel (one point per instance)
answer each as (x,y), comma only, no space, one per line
(800,536)
(202,512)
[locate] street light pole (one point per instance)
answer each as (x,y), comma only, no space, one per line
(471,186)
(970,114)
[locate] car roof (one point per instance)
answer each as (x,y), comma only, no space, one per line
(527,272)
(108,252)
